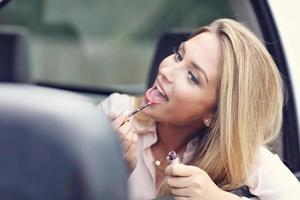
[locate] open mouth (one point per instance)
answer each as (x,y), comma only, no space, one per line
(155,95)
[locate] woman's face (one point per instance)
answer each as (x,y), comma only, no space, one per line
(185,89)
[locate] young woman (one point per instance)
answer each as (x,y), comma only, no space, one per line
(217,101)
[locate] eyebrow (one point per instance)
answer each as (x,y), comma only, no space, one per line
(195,64)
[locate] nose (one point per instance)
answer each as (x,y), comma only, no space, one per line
(167,73)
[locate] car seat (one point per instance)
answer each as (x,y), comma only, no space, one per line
(14,51)
(57,145)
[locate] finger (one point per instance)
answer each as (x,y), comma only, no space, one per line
(130,138)
(113,115)
(181,170)
(135,137)
(130,152)
(178,182)
(128,141)
(180,192)
(124,131)
(119,120)
(181,198)
(130,155)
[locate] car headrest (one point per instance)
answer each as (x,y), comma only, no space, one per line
(165,46)
(3,3)
(297,174)
(57,145)
(14,51)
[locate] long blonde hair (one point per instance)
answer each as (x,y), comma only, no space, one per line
(249,107)
(249,111)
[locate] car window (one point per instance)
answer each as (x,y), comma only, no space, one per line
(102,43)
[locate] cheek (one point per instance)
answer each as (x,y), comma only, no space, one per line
(187,97)
(184,92)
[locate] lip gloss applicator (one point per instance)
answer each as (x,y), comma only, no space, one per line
(136,111)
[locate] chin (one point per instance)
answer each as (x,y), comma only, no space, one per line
(153,113)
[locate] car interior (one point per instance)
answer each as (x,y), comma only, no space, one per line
(14,56)
(55,127)
(56,145)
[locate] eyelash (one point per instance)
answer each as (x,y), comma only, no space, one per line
(191,74)
(193,77)
(178,56)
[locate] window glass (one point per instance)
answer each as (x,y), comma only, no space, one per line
(102,43)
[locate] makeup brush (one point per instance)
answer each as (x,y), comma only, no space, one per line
(136,111)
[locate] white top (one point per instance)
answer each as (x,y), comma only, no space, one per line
(270,179)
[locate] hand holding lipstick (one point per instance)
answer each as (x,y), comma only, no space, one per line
(191,182)
(127,138)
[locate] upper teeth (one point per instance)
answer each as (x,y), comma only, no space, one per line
(160,90)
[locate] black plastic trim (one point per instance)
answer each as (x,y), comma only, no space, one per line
(3,3)
(82,89)
(291,152)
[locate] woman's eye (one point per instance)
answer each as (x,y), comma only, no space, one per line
(193,77)
(178,56)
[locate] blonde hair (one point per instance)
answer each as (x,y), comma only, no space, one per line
(249,106)
(249,111)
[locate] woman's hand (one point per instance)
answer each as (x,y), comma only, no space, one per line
(127,137)
(190,182)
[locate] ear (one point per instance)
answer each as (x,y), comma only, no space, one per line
(207,121)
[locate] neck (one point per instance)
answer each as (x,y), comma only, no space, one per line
(174,138)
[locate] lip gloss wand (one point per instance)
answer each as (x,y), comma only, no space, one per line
(136,111)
